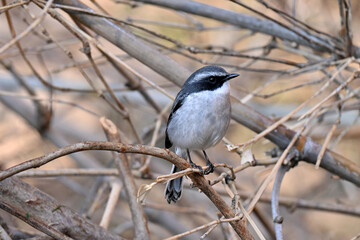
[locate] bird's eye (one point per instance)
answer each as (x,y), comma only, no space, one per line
(212,79)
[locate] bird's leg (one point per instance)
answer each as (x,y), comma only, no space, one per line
(192,163)
(211,167)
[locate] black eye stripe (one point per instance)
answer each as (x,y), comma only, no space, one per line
(216,78)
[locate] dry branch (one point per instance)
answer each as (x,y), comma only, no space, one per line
(116,187)
(245,21)
(308,148)
(3,234)
(198,180)
(124,40)
(122,163)
(243,114)
(46,214)
(111,28)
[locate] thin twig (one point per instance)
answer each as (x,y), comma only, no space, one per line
(325,145)
(145,167)
(28,29)
(44,114)
(297,203)
(199,180)
(210,224)
(122,163)
(111,204)
(277,218)
(308,36)
(268,179)
(15,95)
(76,172)
(287,117)
(233,193)
(3,234)
(12,5)
(334,92)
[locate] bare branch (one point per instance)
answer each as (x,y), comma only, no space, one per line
(165,154)
(45,214)
(177,74)
(128,42)
(122,163)
(277,218)
(3,234)
(243,21)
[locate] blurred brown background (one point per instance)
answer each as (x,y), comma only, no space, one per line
(75,114)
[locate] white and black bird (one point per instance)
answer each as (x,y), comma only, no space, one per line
(199,119)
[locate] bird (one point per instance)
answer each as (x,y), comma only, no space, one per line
(198,120)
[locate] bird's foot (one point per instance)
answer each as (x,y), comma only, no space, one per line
(229,178)
(210,169)
(193,165)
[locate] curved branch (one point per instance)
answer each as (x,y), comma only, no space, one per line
(197,179)
(241,113)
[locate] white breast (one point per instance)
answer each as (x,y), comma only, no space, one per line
(202,120)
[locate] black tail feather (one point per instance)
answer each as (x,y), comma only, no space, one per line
(173,188)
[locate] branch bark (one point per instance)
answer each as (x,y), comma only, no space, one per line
(308,148)
(124,40)
(243,21)
(45,214)
(122,163)
(198,180)
(177,74)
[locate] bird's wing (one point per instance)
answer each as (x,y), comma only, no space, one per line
(168,143)
(179,100)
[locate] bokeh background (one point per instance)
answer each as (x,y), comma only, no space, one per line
(76,109)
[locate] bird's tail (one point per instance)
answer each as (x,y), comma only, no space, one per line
(174,187)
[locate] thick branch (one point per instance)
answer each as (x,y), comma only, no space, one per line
(124,40)
(241,113)
(199,180)
(243,21)
(44,213)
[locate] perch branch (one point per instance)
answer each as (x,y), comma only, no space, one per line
(165,154)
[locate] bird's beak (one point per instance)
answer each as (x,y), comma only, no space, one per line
(230,76)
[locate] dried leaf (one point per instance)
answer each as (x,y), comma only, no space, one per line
(143,191)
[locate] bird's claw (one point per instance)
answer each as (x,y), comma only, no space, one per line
(229,178)
(193,165)
(210,169)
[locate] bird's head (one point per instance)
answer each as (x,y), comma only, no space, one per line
(208,78)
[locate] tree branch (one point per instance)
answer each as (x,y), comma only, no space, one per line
(45,214)
(244,21)
(125,40)
(122,163)
(197,179)
(177,74)
(308,148)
